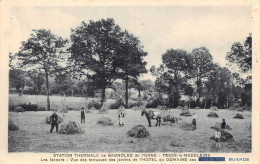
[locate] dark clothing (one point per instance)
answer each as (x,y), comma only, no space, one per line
(223,125)
(54,122)
(82,114)
(54,118)
(194,122)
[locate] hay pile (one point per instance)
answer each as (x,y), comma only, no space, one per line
(187,126)
(214,108)
(240,109)
(105,121)
(218,125)
(48,119)
(93,108)
(225,136)
(185,113)
(103,111)
(70,128)
(62,110)
(212,115)
(12,126)
(19,109)
(238,116)
(197,107)
(138,131)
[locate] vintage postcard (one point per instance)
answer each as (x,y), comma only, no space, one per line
(129,81)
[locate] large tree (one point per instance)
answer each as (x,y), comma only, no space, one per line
(42,51)
(202,66)
(131,60)
(95,50)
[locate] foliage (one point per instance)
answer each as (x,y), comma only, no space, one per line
(137,104)
(29,106)
(153,103)
(19,109)
(119,102)
(95,104)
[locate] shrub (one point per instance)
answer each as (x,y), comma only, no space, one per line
(154,103)
(12,126)
(29,106)
(213,115)
(138,131)
(95,104)
(119,102)
(105,121)
(19,109)
(70,128)
(41,109)
(12,107)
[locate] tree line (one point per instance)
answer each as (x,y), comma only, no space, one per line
(99,53)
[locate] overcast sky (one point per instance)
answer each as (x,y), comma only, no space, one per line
(158,28)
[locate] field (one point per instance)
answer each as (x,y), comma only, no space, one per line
(34,135)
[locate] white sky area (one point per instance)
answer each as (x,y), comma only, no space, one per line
(158,28)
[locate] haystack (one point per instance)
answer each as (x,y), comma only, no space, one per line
(105,121)
(70,128)
(187,126)
(212,115)
(218,125)
(48,119)
(197,107)
(19,109)
(93,108)
(214,108)
(179,107)
(185,113)
(62,110)
(225,136)
(238,116)
(240,109)
(138,131)
(12,126)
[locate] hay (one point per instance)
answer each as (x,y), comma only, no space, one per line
(225,136)
(48,119)
(214,108)
(12,126)
(218,125)
(212,115)
(187,126)
(185,113)
(92,108)
(105,121)
(19,109)
(238,116)
(70,128)
(62,110)
(103,111)
(197,107)
(138,131)
(179,107)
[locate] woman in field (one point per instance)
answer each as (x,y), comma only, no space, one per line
(217,137)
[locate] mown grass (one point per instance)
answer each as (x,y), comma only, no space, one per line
(34,135)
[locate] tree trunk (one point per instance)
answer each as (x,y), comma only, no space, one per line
(126,92)
(227,102)
(103,95)
(205,104)
(47,90)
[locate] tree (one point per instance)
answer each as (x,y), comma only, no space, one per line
(202,66)
(130,59)
(95,50)
(158,72)
(42,51)
(241,55)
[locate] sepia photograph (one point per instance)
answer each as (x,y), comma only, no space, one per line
(129,79)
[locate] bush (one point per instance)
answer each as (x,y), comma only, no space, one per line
(29,106)
(238,116)
(12,126)
(70,128)
(19,109)
(105,121)
(214,108)
(12,107)
(138,131)
(41,109)
(154,103)
(119,102)
(213,115)
(95,104)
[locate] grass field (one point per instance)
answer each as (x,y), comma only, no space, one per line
(34,135)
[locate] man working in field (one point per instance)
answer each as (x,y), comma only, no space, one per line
(54,121)
(82,115)
(194,119)
(223,124)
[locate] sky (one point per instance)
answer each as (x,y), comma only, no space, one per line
(158,28)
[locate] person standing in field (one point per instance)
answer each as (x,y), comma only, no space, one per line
(223,124)
(194,117)
(54,121)
(82,115)
(121,118)
(217,137)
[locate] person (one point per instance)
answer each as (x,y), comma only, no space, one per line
(54,121)
(121,118)
(194,120)
(82,115)
(217,137)
(223,125)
